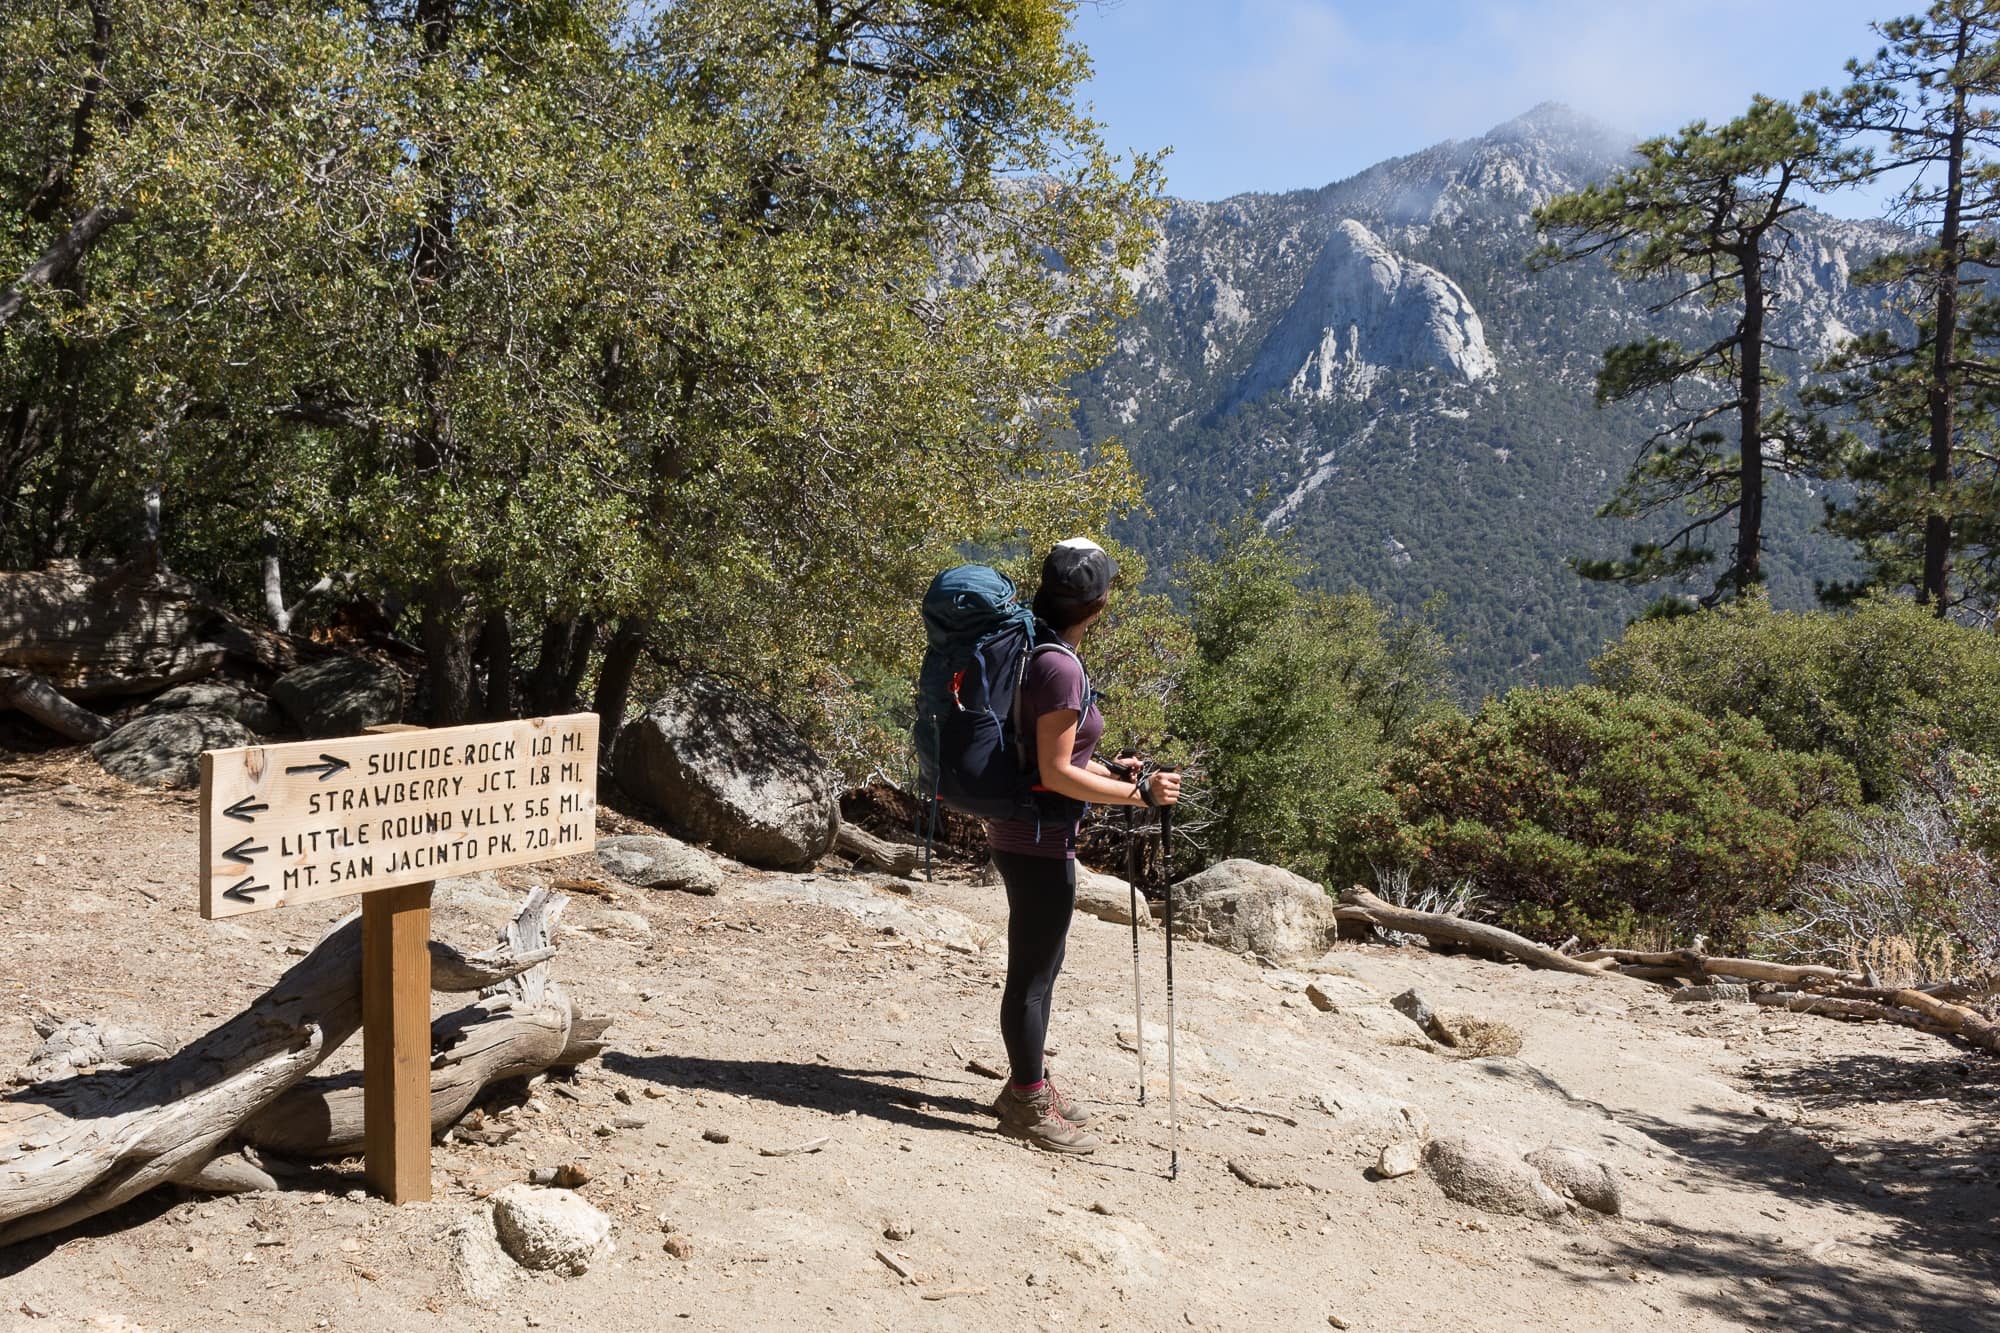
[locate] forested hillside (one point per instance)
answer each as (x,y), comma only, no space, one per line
(1377,367)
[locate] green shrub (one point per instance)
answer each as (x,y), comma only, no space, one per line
(1857,683)
(1290,701)
(1582,811)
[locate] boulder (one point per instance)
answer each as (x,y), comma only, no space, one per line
(1251,908)
(1107,898)
(1577,1175)
(223,698)
(556,1231)
(1491,1175)
(655,861)
(726,770)
(164,749)
(340,696)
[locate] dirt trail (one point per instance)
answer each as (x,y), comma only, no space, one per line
(791,1009)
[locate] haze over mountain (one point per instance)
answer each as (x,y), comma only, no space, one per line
(1374,366)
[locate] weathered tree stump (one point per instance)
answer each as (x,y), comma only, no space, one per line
(75,1147)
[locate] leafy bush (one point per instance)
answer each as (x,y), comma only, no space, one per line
(1290,700)
(1582,811)
(1916,898)
(1855,683)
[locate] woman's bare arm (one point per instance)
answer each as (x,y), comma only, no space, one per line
(1055,742)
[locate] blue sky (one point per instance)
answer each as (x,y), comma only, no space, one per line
(1285,94)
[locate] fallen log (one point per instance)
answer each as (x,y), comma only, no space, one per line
(1968,1024)
(1688,963)
(1829,1006)
(75,1147)
(101,631)
(26,692)
(522,1025)
(896,858)
(1358,904)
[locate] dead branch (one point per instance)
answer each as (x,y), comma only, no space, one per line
(1362,906)
(1688,963)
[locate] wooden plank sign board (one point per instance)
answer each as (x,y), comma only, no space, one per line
(296,823)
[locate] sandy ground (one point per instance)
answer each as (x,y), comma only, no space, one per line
(779,1020)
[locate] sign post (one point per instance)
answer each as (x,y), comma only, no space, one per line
(383,815)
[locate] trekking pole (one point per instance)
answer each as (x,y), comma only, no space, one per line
(1132,884)
(1173,1084)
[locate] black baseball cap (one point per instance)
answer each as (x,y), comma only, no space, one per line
(1077,571)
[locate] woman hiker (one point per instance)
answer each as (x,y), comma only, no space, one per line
(1037,859)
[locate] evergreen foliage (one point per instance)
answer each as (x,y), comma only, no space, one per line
(1585,812)
(567,327)
(1927,488)
(1864,685)
(1290,701)
(1708,212)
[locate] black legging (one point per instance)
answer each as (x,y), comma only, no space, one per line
(1041,898)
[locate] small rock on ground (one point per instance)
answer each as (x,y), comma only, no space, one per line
(656,861)
(549,1229)
(1397,1159)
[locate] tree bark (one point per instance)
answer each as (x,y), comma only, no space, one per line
(614,680)
(496,646)
(74,1148)
(1361,905)
(61,258)
(25,692)
(897,858)
(447,654)
(1748,569)
(1942,391)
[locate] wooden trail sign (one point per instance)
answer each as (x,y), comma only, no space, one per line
(383,815)
(296,823)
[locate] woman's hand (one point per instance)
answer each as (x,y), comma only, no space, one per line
(1163,787)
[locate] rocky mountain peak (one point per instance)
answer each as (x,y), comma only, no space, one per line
(1362,311)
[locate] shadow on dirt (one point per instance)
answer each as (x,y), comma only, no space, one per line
(877,1093)
(1931,1206)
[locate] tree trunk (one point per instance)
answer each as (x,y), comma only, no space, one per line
(614,679)
(79,1146)
(1748,569)
(568,688)
(550,663)
(496,646)
(447,654)
(25,692)
(1942,391)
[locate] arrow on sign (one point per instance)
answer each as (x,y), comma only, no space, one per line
(243,851)
(242,890)
(326,767)
(246,809)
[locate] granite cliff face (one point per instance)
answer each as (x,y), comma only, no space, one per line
(1375,367)
(1364,312)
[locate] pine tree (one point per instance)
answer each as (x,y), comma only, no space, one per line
(1704,213)
(1926,497)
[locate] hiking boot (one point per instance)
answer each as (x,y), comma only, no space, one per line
(1067,1107)
(1033,1116)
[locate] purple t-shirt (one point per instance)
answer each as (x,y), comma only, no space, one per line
(1054,682)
